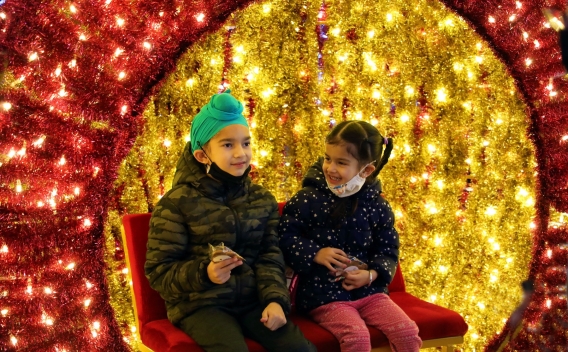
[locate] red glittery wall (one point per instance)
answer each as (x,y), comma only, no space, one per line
(70,108)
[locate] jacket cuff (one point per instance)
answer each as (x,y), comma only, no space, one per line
(285,304)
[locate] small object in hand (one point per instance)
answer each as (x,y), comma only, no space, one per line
(221,252)
(355,264)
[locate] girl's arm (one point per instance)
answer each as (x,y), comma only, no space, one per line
(167,266)
(269,268)
(299,251)
(384,252)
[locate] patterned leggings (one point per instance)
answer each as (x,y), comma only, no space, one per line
(346,321)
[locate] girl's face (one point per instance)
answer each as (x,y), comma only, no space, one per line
(230,149)
(339,166)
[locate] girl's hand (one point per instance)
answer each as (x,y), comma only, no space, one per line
(220,272)
(273,316)
(328,256)
(357,278)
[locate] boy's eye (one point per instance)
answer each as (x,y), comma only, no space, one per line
(326,158)
(227,145)
(247,144)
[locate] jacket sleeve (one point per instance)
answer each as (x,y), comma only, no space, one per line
(269,267)
(385,244)
(167,266)
(299,251)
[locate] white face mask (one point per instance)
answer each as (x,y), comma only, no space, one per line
(351,187)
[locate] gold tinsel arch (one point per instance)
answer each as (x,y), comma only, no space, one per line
(461,176)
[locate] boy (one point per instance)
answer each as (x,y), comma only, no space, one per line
(213,201)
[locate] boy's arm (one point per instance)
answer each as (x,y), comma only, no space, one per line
(167,267)
(298,251)
(269,267)
(385,244)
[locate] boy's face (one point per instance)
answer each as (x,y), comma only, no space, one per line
(230,149)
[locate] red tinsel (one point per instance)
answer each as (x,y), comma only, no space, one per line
(66,82)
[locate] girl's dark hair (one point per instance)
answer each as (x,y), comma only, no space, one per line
(365,143)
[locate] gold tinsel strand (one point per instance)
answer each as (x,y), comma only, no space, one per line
(419,74)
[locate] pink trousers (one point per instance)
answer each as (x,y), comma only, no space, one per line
(348,321)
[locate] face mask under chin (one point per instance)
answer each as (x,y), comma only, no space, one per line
(350,187)
(223,176)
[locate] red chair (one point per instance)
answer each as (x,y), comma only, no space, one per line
(439,327)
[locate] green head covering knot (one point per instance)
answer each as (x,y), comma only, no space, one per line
(222,110)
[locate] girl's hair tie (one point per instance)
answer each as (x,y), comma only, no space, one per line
(386,140)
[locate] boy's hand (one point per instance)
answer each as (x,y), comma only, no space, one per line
(219,273)
(328,256)
(356,278)
(273,316)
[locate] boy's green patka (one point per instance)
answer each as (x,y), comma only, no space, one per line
(221,111)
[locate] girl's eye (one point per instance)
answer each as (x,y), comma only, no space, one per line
(326,158)
(247,144)
(227,145)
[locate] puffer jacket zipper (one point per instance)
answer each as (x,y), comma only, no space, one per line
(239,234)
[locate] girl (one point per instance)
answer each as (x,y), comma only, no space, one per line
(339,217)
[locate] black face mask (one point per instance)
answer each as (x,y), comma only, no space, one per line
(225,177)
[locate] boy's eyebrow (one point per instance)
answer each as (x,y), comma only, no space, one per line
(231,140)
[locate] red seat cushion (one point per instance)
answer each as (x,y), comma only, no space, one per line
(433,321)
(162,336)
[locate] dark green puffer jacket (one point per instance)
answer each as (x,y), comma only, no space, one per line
(197,211)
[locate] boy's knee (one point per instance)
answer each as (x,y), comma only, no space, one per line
(298,345)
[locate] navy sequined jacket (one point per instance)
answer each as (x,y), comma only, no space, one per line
(306,226)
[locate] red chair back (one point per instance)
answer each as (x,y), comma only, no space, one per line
(148,304)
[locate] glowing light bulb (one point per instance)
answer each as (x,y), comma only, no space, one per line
(263,153)
(62,92)
(437,241)
(481,305)
(358,115)
(40,204)
(375,122)
(58,71)
(528,61)
(87,222)
(433,298)
(268,92)
(121,75)
(118,51)
(200,17)
(87,302)
(389,17)
(120,21)
(376,94)
(4,312)
(479,59)
(549,253)
(4,249)
(47,291)
(124,109)
(441,95)
(440,184)
(33,56)
(485,143)
(167,143)
(518,4)
(266,8)
(71,266)
(2,15)
(89,285)
(18,186)
(525,35)
(125,271)
(491,211)
(82,37)
(564,138)
(147,45)
(335,31)
(536,44)
(13,340)
(443,269)
(548,303)
(512,18)
(132,328)
(62,161)
(96,325)
(491,19)
(72,63)
(371,34)
(6,105)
